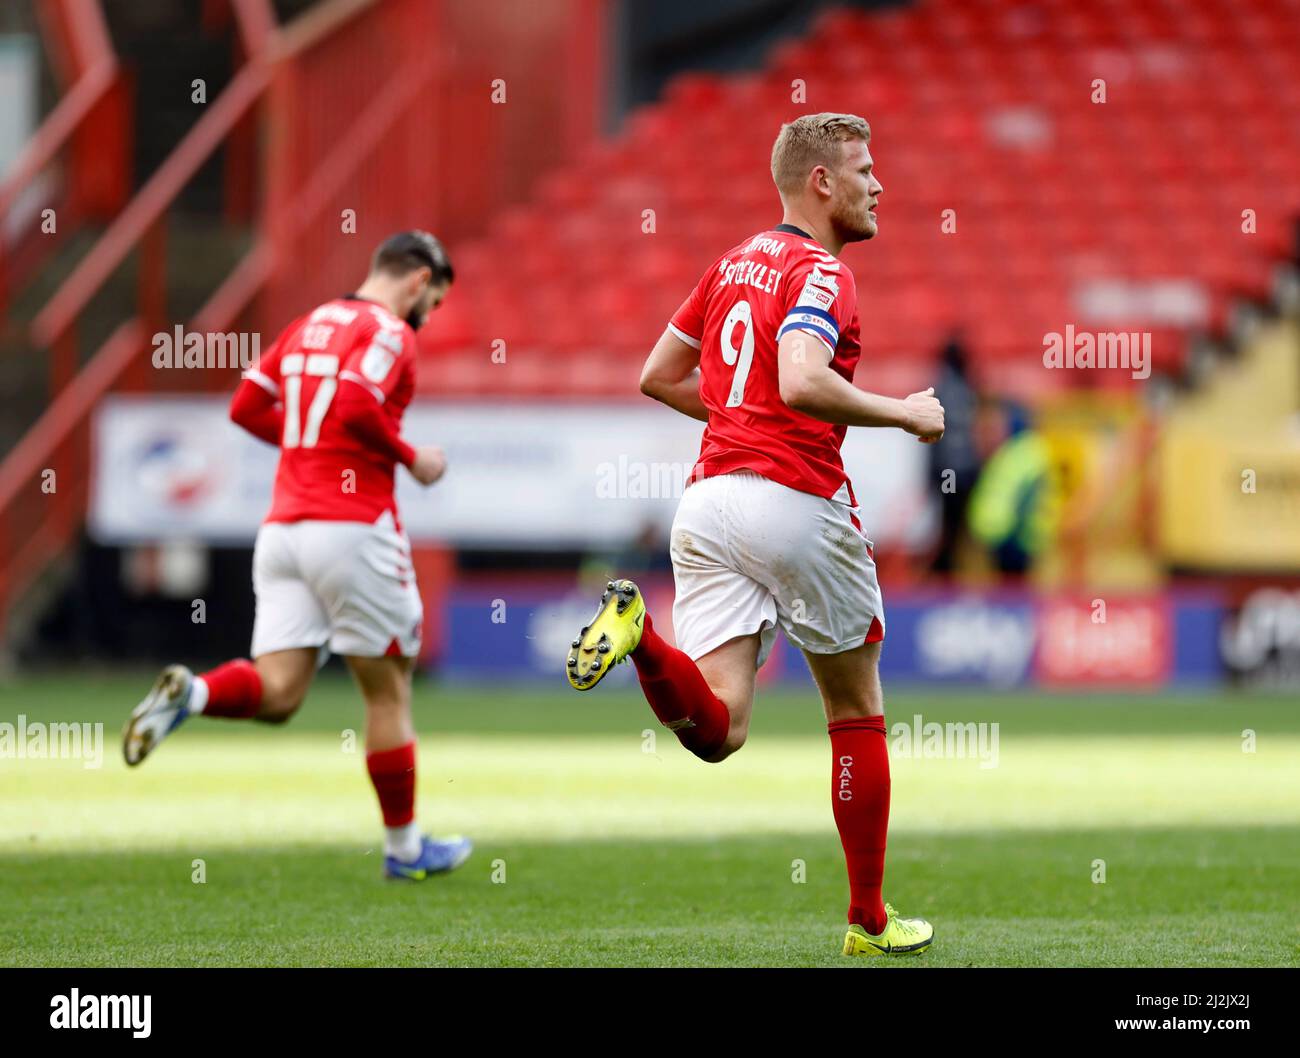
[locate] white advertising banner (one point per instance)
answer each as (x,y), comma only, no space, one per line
(519,475)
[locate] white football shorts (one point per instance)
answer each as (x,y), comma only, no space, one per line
(749,554)
(346,585)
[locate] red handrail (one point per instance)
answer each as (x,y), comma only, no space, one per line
(63,426)
(265,45)
(149,204)
(95,65)
(318,22)
(79,26)
(58,431)
(56,130)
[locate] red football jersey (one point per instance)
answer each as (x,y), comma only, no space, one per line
(779,280)
(326,472)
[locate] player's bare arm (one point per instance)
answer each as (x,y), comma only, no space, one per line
(809,385)
(671,376)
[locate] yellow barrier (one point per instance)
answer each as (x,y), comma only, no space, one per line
(1228,504)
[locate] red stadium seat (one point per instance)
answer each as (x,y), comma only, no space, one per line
(982,109)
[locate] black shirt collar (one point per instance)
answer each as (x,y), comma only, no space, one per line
(790,229)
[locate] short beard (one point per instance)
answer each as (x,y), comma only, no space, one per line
(848,227)
(415,320)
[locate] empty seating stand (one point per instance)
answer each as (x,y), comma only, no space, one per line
(1111,213)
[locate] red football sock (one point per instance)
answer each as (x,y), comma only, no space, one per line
(234,690)
(679,694)
(860,798)
(392,771)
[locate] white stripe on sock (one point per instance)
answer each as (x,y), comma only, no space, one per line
(403,843)
(198,696)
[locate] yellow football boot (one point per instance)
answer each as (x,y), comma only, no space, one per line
(613,634)
(901,936)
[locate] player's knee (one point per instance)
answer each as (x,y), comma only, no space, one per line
(280,702)
(737,734)
(278,714)
(733,742)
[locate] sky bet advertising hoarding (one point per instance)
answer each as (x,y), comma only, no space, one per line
(179,469)
(1002,639)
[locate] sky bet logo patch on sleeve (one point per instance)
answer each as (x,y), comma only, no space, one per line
(816,297)
(819,290)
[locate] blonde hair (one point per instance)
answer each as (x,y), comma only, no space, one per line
(813,139)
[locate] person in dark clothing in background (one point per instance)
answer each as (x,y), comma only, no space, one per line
(955,458)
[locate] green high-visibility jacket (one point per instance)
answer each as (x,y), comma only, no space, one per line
(1014,496)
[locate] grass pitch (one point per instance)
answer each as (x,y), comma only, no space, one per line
(601,842)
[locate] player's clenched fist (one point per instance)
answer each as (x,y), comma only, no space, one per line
(924,416)
(431,463)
